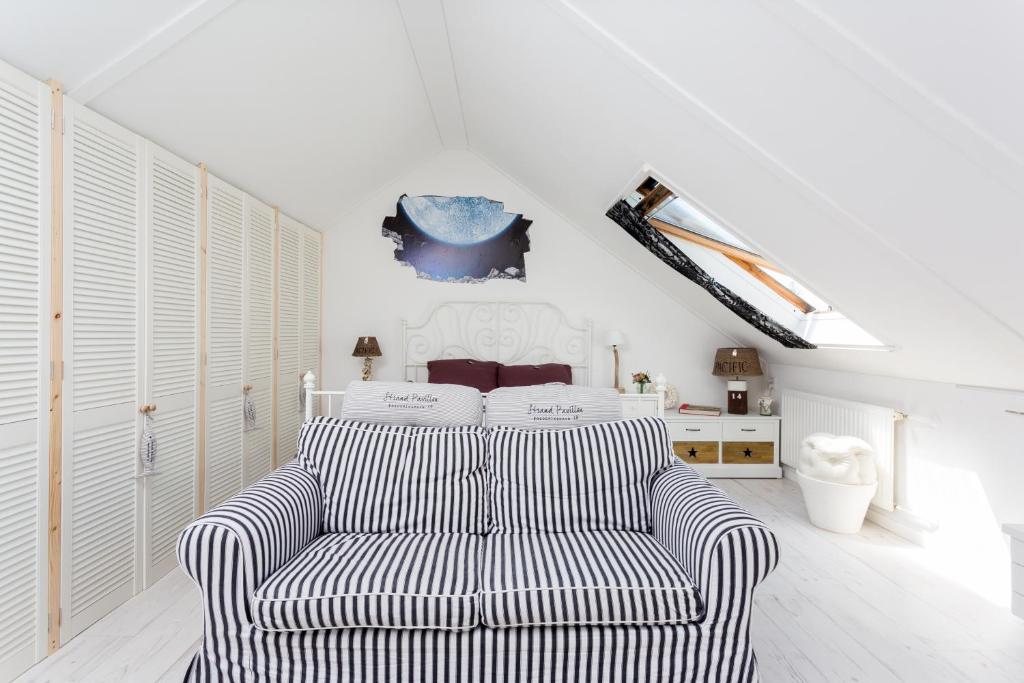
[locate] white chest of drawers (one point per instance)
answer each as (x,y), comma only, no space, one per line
(730,446)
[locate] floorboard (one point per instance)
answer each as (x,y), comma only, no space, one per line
(868,607)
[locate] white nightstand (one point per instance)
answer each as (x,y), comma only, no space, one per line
(728,446)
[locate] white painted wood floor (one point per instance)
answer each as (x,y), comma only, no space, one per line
(839,608)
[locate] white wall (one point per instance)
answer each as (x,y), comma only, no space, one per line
(366,292)
(960,465)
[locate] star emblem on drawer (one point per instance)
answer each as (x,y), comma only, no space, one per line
(692,452)
(747,452)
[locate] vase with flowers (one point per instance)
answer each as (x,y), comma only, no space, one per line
(641,380)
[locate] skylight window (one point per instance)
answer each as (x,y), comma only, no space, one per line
(680,214)
(772,300)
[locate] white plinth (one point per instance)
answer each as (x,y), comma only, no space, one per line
(836,507)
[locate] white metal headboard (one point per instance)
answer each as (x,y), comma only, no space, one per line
(523,333)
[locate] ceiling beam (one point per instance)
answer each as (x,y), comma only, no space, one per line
(713,245)
(426,27)
(151,47)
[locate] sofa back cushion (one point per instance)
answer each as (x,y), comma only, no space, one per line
(553,406)
(412,403)
(586,478)
(380,478)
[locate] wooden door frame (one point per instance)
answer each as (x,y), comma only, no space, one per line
(56,399)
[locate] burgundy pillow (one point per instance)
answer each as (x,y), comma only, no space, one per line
(479,374)
(529,375)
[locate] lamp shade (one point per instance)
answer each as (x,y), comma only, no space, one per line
(614,338)
(737,363)
(366,347)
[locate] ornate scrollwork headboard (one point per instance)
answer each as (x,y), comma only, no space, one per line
(511,333)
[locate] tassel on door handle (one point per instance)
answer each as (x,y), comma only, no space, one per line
(147,444)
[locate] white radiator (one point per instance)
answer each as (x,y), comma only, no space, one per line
(804,414)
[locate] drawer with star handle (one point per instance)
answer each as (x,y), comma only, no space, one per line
(696,442)
(748,452)
(750,443)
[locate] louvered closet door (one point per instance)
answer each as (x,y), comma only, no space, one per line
(289,382)
(172,344)
(225,263)
(24,359)
(102,286)
(258,340)
(309,344)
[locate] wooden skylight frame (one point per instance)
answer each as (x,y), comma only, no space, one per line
(655,195)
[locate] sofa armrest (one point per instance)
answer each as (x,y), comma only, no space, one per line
(251,535)
(726,550)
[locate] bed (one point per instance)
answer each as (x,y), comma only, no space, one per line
(512,333)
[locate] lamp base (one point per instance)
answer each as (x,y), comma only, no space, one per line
(615,372)
(737,398)
(367,369)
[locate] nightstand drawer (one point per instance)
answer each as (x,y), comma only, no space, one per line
(751,431)
(695,431)
(701,452)
(748,452)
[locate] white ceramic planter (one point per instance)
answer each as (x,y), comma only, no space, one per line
(836,507)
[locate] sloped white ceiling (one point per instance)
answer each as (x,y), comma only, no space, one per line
(961,55)
(874,151)
(72,41)
(902,229)
(308,104)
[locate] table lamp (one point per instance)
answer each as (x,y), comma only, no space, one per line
(737,363)
(367,348)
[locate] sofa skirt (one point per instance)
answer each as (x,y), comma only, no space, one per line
(566,654)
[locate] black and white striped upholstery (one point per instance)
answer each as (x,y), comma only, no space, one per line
(583,578)
(585,478)
(233,549)
(389,478)
(374,580)
(695,519)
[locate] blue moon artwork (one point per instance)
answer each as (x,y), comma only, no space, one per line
(459,239)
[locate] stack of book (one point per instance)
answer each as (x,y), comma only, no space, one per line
(691,409)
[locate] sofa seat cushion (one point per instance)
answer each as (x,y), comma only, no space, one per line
(392,580)
(583,578)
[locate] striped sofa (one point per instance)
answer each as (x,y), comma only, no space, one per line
(388,553)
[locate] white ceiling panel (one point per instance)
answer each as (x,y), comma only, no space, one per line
(71,40)
(307,104)
(966,55)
